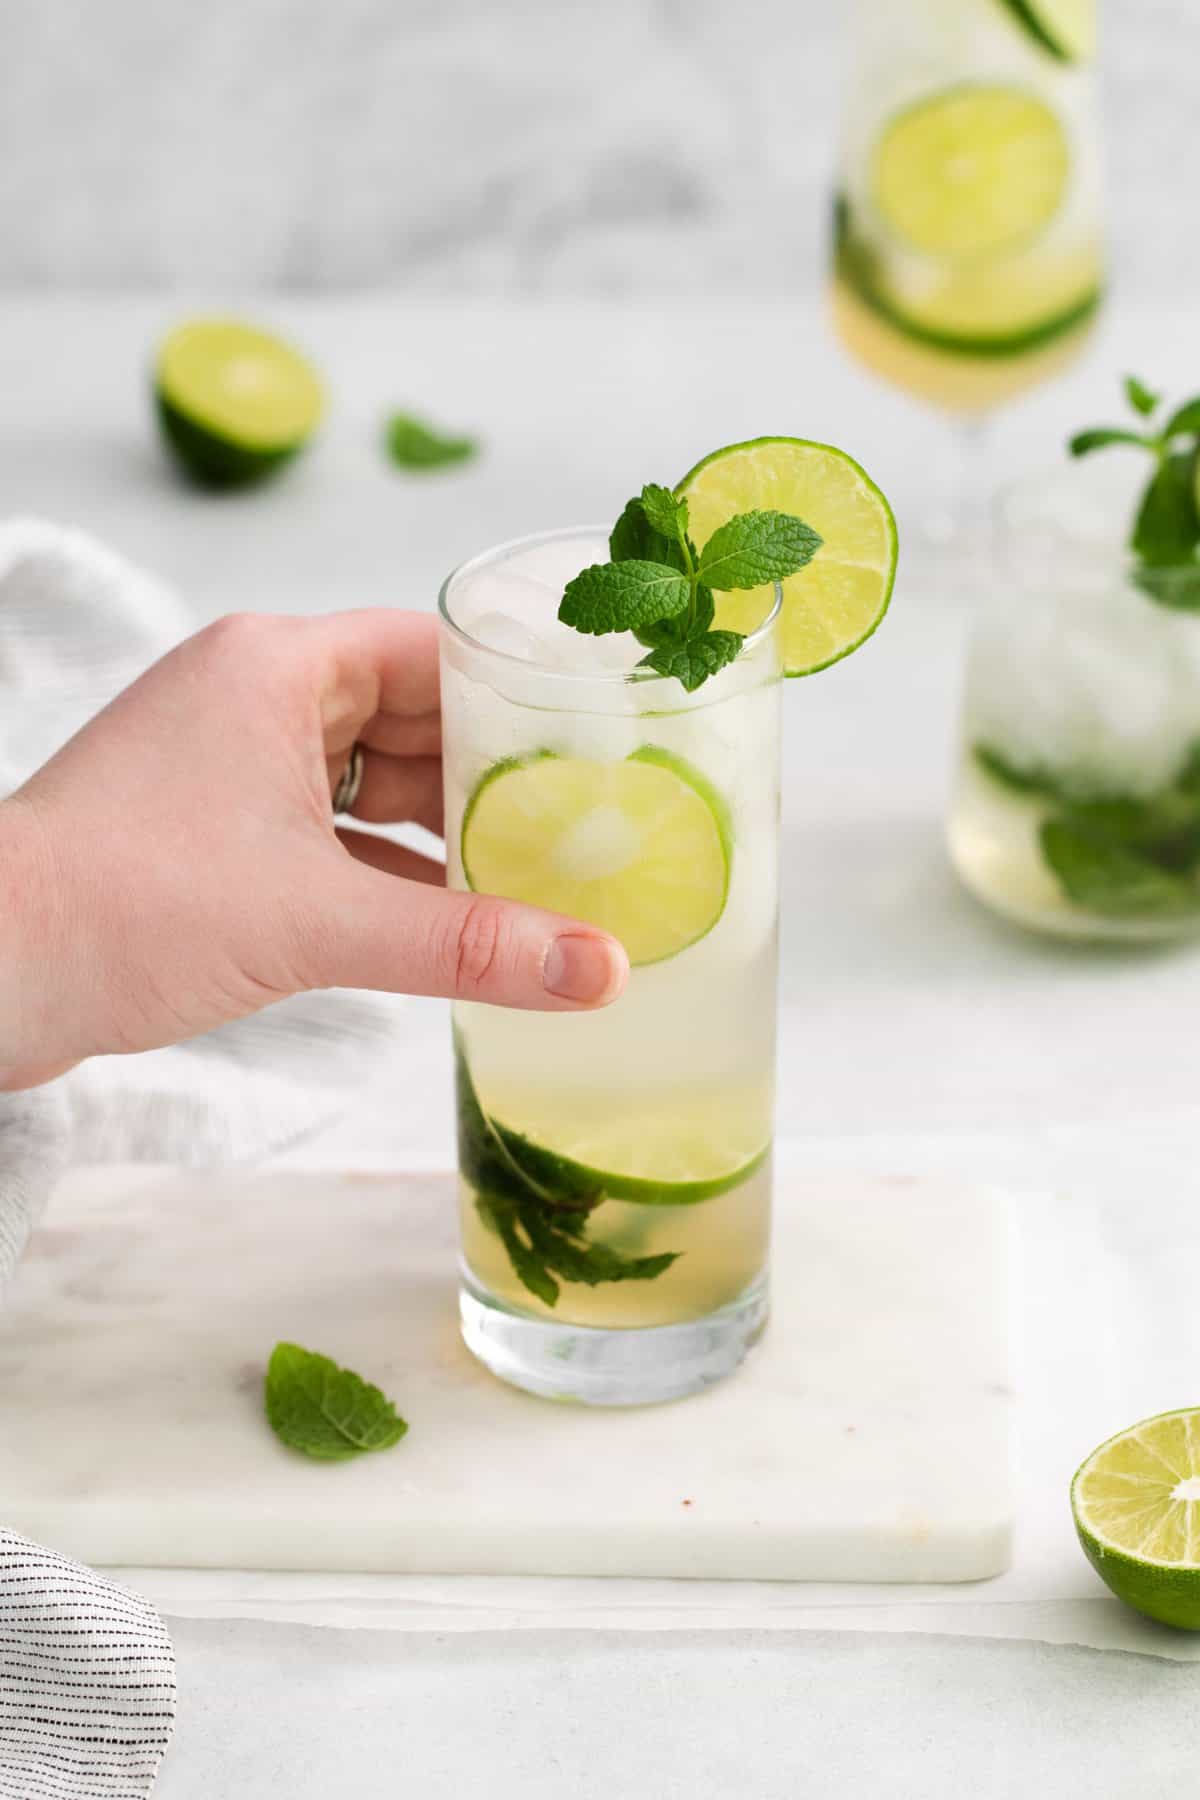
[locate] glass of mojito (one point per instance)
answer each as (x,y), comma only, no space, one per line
(1076,807)
(611,726)
(967,253)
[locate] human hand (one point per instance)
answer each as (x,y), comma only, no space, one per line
(176,865)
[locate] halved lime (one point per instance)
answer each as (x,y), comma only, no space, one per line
(971,171)
(642,848)
(1066,28)
(234,403)
(682,1150)
(833,605)
(1136,1502)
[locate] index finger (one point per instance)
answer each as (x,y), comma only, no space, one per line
(376,668)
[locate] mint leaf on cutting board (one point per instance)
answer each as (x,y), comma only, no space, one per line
(326,1412)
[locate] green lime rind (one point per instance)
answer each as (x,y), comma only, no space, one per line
(1031,21)
(493,773)
(717,806)
(856,265)
(561,1176)
(1166,1592)
(211,460)
(889,581)
(659,758)
(234,404)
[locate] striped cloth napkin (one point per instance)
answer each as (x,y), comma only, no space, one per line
(87,1677)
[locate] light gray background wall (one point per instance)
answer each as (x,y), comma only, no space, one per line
(488,144)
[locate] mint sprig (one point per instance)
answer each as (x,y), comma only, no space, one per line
(1165,536)
(660,587)
(324,1411)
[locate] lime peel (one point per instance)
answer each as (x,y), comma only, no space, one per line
(1136,1506)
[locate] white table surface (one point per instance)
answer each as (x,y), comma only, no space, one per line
(917,1033)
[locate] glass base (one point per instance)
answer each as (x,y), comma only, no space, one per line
(621,1367)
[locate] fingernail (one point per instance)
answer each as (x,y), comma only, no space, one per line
(580,968)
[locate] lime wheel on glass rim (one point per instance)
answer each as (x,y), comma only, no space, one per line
(235,404)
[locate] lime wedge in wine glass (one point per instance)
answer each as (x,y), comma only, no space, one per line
(234,403)
(973,170)
(835,603)
(1066,28)
(641,848)
(1136,1502)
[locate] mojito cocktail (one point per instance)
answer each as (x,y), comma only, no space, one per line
(611,714)
(1076,808)
(614,1166)
(968,260)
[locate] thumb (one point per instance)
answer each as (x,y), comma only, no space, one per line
(377,930)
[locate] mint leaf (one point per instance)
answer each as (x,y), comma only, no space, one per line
(1167,527)
(634,539)
(1140,397)
(664,512)
(756,547)
(623,596)
(683,626)
(538,1203)
(693,661)
(1012,775)
(1110,878)
(1185,418)
(412,443)
(1101,436)
(324,1411)
(1176,585)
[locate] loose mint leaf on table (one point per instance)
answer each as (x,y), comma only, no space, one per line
(664,512)
(413,443)
(324,1411)
(1140,397)
(694,660)
(1167,527)
(755,548)
(1099,437)
(623,596)
(1110,878)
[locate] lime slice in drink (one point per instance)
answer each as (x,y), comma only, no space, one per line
(971,171)
(675,1154)
(641,848)
(1066,28)
(234,403)
(833,605)
(1136,1502)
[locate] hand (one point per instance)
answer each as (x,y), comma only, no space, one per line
(176,864)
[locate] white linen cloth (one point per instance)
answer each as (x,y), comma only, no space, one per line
(87,1681)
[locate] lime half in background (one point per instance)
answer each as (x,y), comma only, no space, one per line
(235,403)
(974,170)
(833,605)
(1066,28)
(1136,1502)
(641,848)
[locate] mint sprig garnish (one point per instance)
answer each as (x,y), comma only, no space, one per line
(324,1411)
(1165,536)
(660,587)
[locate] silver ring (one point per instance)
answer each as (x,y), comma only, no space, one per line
(349,781)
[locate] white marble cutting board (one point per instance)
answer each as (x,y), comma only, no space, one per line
(867,1437)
